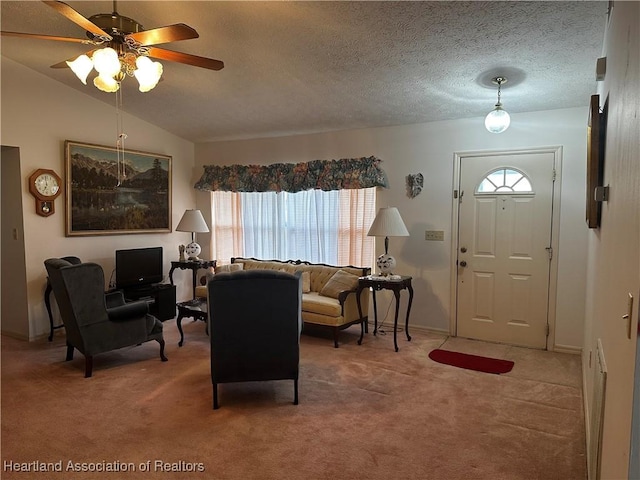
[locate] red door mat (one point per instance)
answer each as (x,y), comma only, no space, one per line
(471,362)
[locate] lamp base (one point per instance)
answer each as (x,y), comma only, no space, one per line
(385,263)
(193,250)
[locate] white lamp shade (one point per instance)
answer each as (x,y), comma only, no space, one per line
(388,223)
(192,221)
(497,120)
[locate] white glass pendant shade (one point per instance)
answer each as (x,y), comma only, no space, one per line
(81,66)
(147,73)
(497,120)
(106,84)
(106,62)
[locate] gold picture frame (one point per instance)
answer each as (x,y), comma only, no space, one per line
(114,193)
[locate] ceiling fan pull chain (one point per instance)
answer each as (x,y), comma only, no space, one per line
(121,136)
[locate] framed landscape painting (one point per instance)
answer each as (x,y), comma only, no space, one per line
(113,194)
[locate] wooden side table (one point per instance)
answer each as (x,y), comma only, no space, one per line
(194,266)
(196,308)
(379,283)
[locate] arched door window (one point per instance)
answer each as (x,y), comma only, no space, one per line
(505,180)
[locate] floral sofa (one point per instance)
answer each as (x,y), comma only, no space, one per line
(328,292)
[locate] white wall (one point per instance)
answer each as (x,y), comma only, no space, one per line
(38,115)
(14,306)
(429,149)
(614,248)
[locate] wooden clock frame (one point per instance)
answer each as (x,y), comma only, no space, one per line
(45,205)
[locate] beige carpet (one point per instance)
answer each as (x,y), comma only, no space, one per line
(365,412)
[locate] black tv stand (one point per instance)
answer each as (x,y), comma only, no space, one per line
(161,298)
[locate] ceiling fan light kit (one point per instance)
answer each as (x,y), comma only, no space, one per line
(126,48)
(497,120)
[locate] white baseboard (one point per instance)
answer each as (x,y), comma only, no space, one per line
(567,349)
(423,329)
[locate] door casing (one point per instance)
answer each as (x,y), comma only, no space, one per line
(555,230)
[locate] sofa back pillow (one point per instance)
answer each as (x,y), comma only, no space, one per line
(232,267)
(340,281)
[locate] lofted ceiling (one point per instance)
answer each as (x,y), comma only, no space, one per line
(304,67)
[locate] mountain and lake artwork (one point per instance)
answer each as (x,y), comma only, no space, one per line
(111,193)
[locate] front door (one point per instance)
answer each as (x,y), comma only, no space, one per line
(504,247)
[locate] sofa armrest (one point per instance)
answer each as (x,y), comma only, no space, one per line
(342,297)
(114,298)
(128,311)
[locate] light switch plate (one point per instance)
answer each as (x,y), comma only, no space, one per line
(434,235)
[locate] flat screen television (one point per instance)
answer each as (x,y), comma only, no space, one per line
(138,267)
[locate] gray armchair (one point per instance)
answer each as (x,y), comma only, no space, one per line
(254,327)
(96,322)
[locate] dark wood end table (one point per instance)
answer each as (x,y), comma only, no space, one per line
(196,308)
(379,283)
(194,266)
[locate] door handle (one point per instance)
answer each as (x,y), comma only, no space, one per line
(463,263)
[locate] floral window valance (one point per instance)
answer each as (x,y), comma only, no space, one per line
(340,174)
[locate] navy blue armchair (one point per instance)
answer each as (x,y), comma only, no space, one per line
(255,323)
(97,322)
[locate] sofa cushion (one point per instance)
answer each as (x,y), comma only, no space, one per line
(315,303)
(340,281)
(306,281)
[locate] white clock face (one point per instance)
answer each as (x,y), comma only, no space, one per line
(47,184)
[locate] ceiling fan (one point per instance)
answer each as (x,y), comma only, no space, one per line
(123,48)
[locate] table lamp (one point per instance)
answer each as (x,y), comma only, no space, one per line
(192,221)
(388,223)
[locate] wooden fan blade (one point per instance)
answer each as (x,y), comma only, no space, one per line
(189,59)
(44,37)
(170,33)
(76,18)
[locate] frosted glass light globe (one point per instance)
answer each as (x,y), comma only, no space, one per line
(81,66)
(106,62)
(148,73)
(497,120)
(106,84)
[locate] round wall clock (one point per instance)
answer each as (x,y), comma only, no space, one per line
(45,185)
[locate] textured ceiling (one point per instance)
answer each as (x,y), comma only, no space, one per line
(303,67)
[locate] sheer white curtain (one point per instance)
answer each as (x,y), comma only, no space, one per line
(314,225)
(292,226)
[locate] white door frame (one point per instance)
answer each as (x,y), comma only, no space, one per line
(555,230)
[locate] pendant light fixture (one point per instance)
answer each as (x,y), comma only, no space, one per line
(497,120)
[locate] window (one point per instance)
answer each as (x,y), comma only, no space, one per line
(314,225)
(505,180)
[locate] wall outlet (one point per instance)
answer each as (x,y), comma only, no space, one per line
(434,235)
